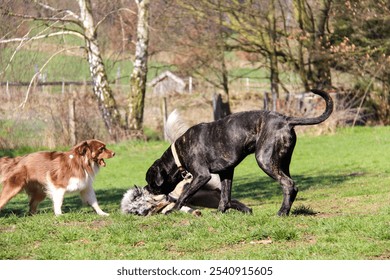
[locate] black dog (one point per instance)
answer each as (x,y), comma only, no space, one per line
(218,147)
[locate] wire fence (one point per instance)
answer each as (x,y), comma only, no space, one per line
(61,113)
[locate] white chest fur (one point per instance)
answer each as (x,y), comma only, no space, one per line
(79,184)
(75,184)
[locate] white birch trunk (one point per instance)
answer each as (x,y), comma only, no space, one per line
(140,70)
(101,87)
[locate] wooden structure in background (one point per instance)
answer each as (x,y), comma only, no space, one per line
(167,83)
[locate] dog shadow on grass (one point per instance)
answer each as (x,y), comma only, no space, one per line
(261,189)
(109,200)
(255,189)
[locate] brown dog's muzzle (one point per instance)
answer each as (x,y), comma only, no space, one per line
(105,154)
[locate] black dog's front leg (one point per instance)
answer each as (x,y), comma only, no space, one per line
(226,190)
(197,182)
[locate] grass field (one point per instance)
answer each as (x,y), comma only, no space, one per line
(67,67)
(342,210)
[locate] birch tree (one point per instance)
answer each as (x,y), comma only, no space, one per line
(101,87)
(63,22)
(139,75)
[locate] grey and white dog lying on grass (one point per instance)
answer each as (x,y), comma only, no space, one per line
(139,201)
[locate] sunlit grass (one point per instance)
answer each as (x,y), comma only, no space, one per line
(341,212)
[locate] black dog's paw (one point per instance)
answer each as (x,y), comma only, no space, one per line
(283,213)
(222,209)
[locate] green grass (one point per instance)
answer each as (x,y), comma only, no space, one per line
(67,67)
(342,210)
(61,67)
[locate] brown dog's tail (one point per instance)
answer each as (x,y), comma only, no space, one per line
(311,121)
(3,162)
(6,163)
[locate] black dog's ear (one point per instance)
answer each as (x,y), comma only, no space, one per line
(154,177)
(159,179)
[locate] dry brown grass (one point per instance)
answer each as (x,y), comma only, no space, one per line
(44,122)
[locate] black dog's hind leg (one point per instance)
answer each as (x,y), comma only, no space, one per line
(290,192)
(288,187)
(274,158)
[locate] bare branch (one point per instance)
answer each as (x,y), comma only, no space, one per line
(54,18)
(113,12)
(47,7)
(26,39)
(60,33)
(13,55)
(22,43)
(12,31)
(366,92)
(23,104)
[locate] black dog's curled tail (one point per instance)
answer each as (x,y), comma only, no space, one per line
(311,121)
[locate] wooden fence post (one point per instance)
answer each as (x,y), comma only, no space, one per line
(266,100)
(164,114)
(220,109)
(63,87)
(7,91)
(190,85)
(72,119)
(274,100)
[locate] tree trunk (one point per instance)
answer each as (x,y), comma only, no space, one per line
(314,40)
(322,78)
(303,23)
(138,77)
(101,87)
(274,71)
(224,71)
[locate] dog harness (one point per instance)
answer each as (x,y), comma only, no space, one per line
(184,173)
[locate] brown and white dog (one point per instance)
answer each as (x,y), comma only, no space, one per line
(53,174)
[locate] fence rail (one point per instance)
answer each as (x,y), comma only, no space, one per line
(39,83)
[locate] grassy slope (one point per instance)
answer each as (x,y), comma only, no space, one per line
(67,67)
(344,178)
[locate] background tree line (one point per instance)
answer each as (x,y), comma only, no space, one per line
(312,40)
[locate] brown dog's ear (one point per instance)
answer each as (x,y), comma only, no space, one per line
(81,148)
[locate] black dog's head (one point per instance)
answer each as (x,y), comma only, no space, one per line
(162,177)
